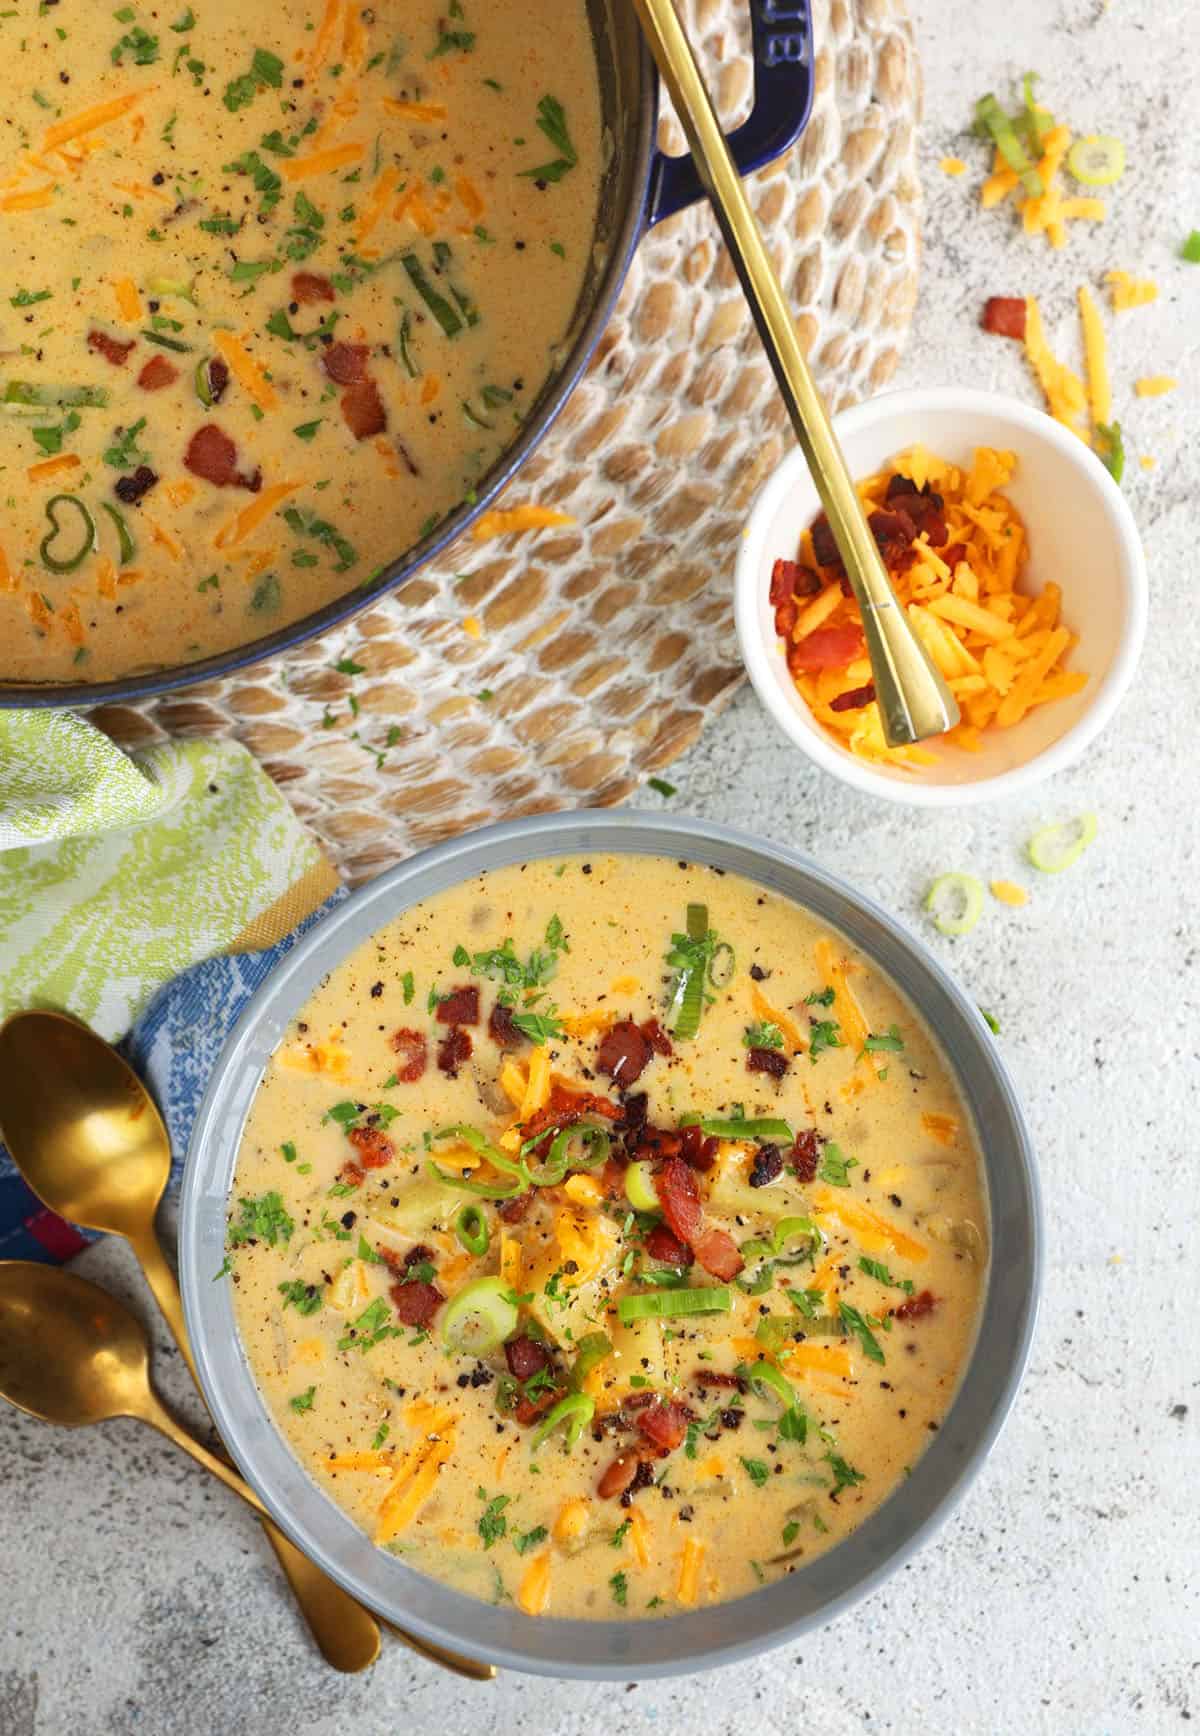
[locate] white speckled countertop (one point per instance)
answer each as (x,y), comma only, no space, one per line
(1063,1595)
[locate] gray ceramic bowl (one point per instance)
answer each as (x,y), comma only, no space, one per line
(725,1632)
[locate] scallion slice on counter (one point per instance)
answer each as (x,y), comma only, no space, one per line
(573,1414)
(1038,121)
(1097,161)
(479,1318)
(471,1228)
(1058,846)
(955,902)
(1112,453)
(663,1304)
(992,120)
(1190,251)
(73,543)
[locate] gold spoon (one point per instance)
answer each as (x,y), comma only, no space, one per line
(86,1135)
(914,701)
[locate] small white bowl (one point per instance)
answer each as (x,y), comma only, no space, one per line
(1081,535)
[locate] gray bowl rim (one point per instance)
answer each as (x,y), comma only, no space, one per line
(723,1633)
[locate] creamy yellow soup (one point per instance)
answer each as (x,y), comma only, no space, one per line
(607,1236)
(281,283)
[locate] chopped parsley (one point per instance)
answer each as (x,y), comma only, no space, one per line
(764,1035)
(756,1471)
(409,987)
(824,1035)
(124,453)
(858,1324)
(523,1540)
(835,1166)
(619,1586)
(552,122)
(877,1269)
(844,1475)
(664,789)
(27,297)
(308,524)
(265,68)
(304,1298)
(381,1435)
(819,998)
(370,1329)
(492,1524)
(619,1535)
(303,1401)
(891,1042)
(262,1220)
(139,44)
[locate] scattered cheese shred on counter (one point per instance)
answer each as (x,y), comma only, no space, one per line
(1007,892)
(1064,391)
(503,520)
(1095,353)
(952,166)
(1000,648)
(1154,385)
(1126,292)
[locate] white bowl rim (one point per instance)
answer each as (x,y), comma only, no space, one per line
(716,1634)
(1109,691)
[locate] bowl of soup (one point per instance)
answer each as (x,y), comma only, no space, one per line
(610,1244)
(292,291)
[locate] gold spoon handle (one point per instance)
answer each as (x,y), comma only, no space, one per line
(914,701)
(346,1633)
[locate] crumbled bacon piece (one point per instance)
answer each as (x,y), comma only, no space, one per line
(460,1007)
(1004,316)
(718,1253)
(514,1209)
(374,1148)
(825,549)
(710,1377)
(623,1053)
(826,648)
(566,1107)
(218,378)
(346,364)
(212,455)
(351,1173)
(501,1028)
(767,1165)
(157,373)
(454,1048)
(525,1356)
(892,531)
(787,614)
(697,1150)
(309,287)
(916,1307)
(416,1302)
(130,489)
(664,1424)
(656,1037)
(805,1154)
(679,1199)
(772,1061)
(413,1049)
(363,410)
(664,1245)
(112,349)
(853,699)
(417,1255)
(528,1410)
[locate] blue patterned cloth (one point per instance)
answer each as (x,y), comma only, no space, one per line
(174,1047)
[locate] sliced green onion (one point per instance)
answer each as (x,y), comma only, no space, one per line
(471,1228)
(736,1128)
(59,397)
(1038,122)
(955,902)
(1191,248)
(663,1304)
(76,552)
(202,381)
(596,1144)
(128,546)
(479,1318)
(438,306)
(687,999)
(484,1190)
(1112,455)
(766,1380)
(480,1143)
(788,1229)
(773,1331)
(410,366)
(993,120)
(575,1411)
(724,952)
(640,1190)
(593,1349)
(172,286)
(167,343)
(1097,161)
(1057,846)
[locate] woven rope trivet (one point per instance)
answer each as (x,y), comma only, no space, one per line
(606,644)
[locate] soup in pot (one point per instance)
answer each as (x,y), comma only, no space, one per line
(607,1236)
(282,282)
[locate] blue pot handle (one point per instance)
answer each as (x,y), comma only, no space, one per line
(783,97)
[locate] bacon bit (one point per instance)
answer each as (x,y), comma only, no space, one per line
(791,579)
(1004,316)
(460,1007)
(218,378)
(772,1061)
(916,1307)
(566,1107)
(827,648)
(525,1356)
(718,1253)
(346,364)
(664,1245)
(825,549)
(679,1199)
(454,1048)
(363,410)
(710,1377)
(697,1151)
(414,1048)
(112,349)
(212,455)
(664,1424)
(656,1037)
(156,374)
(309,287)
(528,1410)
(768,1163)
(351,1173)
(619,1476)
(805,1154)
(514,1209)
(854,698)
(374,1148)
(623,1053)
(501,1029)
(130,489)
(416,1302)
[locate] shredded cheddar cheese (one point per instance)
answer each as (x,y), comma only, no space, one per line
(502,521)
(1127,292)
(533,1594)
(687,1585)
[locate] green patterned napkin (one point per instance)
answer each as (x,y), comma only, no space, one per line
(118,871)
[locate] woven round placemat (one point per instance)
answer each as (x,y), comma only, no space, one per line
(603,646)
